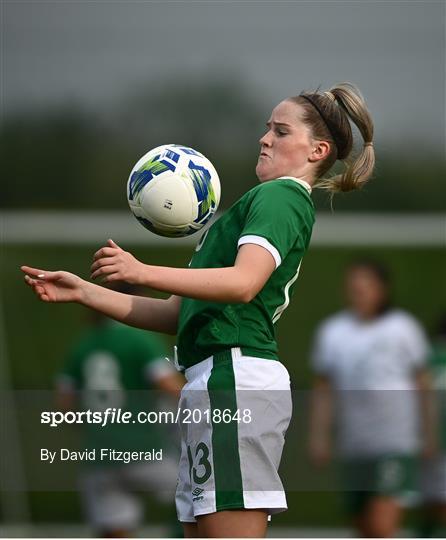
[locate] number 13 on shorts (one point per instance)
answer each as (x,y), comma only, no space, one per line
(200,468)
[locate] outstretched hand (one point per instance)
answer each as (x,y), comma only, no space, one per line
(114,264)
(54,286)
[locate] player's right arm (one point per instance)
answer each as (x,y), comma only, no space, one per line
(153,314)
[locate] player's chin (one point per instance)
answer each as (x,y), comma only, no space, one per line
(262,172)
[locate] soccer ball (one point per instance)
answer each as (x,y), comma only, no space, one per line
(173,190)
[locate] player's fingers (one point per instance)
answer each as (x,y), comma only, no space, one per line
(112,277)
(113,244)
(104,252)
(103,270)
(40,290)
(29,281)
(33,271)
(105,261)
(42,274)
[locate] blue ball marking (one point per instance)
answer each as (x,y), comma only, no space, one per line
(148,170)
(201,178)
(187,150)
(137,181)
(172,155)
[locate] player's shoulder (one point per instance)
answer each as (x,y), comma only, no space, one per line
(400,318)
(284,193)
(285,185)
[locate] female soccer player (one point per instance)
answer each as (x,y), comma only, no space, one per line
(372,384)
(224,307)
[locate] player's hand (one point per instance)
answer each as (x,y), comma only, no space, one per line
(54,286)
(111,263)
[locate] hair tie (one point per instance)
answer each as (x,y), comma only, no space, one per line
(330,95)
(370,143)
(332,128)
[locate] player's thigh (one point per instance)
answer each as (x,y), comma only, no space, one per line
(233,524)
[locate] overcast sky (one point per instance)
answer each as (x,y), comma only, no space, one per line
(97,52)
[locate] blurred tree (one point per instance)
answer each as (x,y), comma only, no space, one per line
(73,158)
(52,160)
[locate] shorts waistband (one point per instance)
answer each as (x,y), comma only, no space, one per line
(235,353)
(207,364)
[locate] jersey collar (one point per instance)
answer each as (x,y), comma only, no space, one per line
(299,181)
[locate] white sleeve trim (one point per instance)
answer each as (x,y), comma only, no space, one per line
(260,241)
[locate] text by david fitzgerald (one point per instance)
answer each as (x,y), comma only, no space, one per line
(100,454)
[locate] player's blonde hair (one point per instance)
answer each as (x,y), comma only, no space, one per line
(328,115)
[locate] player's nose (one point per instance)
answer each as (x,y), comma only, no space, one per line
(266,139)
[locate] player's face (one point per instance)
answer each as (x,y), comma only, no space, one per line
(286,146)
(365,293)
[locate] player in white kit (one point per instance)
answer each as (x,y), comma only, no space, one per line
(369,362)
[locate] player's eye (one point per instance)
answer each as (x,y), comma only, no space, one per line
(281,132)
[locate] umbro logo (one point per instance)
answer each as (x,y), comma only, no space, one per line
(196,494)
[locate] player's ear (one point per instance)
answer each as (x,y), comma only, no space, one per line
(321,149)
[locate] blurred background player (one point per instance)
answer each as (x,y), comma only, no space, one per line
(433,471)
(370,381)
(114,365)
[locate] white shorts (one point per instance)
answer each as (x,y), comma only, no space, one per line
(433,479)
(110,494)
(235,411)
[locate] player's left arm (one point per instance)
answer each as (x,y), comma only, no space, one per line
(428,413)
(239,283)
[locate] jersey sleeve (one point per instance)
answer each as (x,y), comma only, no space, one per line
(416,346)
(278,214)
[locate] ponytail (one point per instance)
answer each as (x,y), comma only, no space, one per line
(328,114)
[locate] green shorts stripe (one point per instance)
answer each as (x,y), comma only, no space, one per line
(226,457)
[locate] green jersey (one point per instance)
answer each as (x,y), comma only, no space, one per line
(277,215)
(115,356)
(114,366)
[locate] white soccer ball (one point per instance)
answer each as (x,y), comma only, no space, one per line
(173,190)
